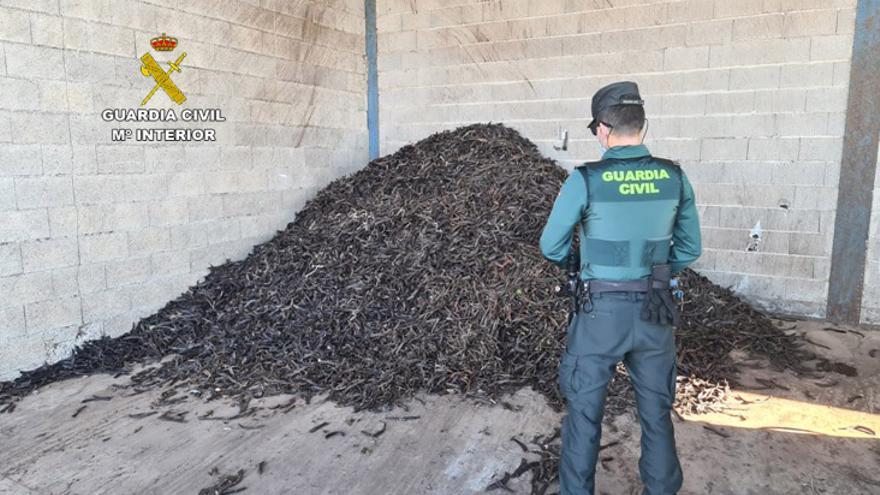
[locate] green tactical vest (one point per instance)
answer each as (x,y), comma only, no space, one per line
(631,210)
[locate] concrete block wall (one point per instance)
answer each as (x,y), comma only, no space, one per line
(871,296)
(95,234)
(750,95)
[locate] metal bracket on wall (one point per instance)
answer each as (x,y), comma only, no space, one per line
(858,169)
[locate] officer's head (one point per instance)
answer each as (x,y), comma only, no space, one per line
(618,110)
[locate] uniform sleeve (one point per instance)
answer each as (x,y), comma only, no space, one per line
(570,204)
(686,240)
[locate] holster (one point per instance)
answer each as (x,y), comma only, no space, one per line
(659,306)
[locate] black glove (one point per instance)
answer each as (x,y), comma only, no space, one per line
(659,307)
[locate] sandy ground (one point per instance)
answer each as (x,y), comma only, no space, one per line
(808,439)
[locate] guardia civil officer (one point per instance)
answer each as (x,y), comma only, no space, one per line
(638,229)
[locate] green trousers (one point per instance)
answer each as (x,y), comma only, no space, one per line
(596,341)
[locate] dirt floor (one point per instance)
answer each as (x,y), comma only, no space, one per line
(799,436)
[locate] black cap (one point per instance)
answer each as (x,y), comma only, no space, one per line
(619,93)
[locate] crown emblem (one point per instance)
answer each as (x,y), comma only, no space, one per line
(164,43)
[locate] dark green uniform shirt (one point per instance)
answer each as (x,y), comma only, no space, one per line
(571,206)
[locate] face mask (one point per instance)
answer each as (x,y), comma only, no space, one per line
(602,147)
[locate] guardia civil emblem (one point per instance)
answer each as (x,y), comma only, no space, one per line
(162,78)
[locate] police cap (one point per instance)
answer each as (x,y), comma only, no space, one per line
(619,93)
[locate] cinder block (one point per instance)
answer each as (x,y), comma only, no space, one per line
(684,58)
(757,27)
(36,192)
(250,203)
(57,160)
(103,38)
(99,189)
(103,305)
(20,160)
(791,5)
(7,193)
(149,240)
(35,62)
(119,324)
(800,289)
(816,198)
(153,294)
(781,100)
(836,47)
(186,184)
(258,227)
(832,174)
(644,39)
(710,33)
(48,6)
(826,100)
(169,263)
(127,272)
(293,200)
(807,244)
(91,277)
(113,217)
(24,288)
(10,259)
(724,149)
(683,105)
(147,187)
(761,77)
(103,247)
(164,159)
(94,11)
(807,173)
(58,312)
(22,225)
(724,8)
(171,212)
(223,230)
(773,148)
(64,282)
(189,236)
(731,102)
(731,125)
(120,159)
(48,253)
(821,148)
(40,128)
(47,30)
(740,172)
(53,95)
(205,208)
(836,123)
(802,124)
(90,68)
(12,324)
(810,23)
(14,26)
(19,94)
(690,10)
(756,52)
(63,221)
(807,75)
(841,74)
(676,149)
(846,21)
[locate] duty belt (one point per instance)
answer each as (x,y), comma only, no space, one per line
(623,285)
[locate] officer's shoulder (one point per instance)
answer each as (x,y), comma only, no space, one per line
(667,162)
(671,164)
(587,165)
